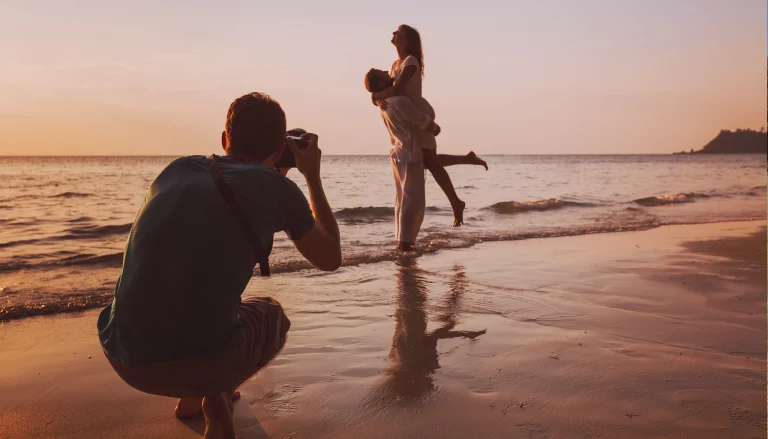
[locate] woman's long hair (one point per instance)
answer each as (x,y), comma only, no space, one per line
(414,44)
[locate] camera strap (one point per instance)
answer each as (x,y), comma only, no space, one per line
(259,253)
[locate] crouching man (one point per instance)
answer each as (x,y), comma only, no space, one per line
(177,326)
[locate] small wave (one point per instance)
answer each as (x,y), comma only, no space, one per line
(18,198)
(86,232)
(445,240)
(18,242)
(30,186)
(511,207)
(663,200)
(435,209)
(81,219)
(351,215)
(690,197)
(22,223)
(365,214)
(111,260)
(372,211)
(32,197)
(65,303)
(17,263)
(755,191)
(70,195)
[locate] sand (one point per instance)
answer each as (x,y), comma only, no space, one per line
(652,334)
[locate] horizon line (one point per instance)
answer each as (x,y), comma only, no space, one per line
(363,155)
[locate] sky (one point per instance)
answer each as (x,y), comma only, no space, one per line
(90,77)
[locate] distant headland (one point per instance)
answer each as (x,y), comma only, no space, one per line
(735,142)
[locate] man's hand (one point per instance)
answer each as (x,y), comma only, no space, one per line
(307,159)
(321,246)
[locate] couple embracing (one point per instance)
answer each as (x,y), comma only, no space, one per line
(410,120)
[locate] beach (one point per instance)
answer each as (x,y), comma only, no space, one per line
(656,333)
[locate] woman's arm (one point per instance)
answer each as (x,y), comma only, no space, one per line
(399,85)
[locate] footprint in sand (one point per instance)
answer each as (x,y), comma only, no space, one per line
(748,416)
(279,400)
(628,353)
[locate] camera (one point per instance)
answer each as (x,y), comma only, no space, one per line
(287,160)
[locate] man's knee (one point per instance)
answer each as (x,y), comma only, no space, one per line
(265,326)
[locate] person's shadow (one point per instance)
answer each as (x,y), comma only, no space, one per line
(413,358)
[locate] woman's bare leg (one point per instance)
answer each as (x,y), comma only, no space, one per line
(444,181)
(469,159)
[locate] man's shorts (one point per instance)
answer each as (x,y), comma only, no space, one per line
(264,328)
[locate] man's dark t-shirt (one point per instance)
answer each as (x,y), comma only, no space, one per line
(187,260)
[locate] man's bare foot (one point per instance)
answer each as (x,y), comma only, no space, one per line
(218,417)
(475,160)
(188,408)
(193,407)
(458,213)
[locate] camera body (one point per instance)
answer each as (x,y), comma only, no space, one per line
(287,160)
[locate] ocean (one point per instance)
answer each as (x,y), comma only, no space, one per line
(64,220)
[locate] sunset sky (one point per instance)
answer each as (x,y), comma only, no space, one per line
(524,77)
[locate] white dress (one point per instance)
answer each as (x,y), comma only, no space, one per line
(412,90)
(404,120)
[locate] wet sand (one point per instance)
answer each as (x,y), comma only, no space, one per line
(659,333)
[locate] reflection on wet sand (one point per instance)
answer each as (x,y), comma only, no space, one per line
(413,357)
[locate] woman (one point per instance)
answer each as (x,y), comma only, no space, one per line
(407,72)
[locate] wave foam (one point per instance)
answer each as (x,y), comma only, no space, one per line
(512,207)
(664,200)
(371,213)
(376,213)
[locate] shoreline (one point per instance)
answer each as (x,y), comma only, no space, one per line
(659,333)
(103,296)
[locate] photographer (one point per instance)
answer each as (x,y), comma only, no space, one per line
(177,326)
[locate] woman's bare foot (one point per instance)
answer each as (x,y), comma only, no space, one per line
(193,407)
(475,160)
(405,246)
(458,213)
(218,417)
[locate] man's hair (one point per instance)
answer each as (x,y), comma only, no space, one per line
(255,126)
(374,82)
